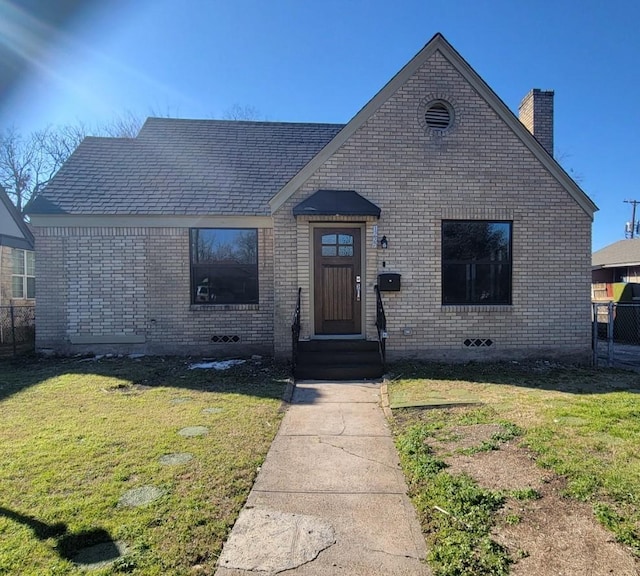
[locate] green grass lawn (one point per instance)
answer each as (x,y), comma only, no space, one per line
(76,435)
(582,424)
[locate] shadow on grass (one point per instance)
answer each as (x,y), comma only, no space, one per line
(541,375)
(262,379)
(87,547)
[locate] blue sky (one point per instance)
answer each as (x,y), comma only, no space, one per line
(304,60)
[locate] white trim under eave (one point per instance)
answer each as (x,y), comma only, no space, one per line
(437,43)
(141,221)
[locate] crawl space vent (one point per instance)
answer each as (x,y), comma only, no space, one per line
(225,339)
(478,342)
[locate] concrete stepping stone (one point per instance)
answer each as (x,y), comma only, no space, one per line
(191,431)
(271,541)
(212,410)
(140,496)
(183,400)
(177,458)
(99,555)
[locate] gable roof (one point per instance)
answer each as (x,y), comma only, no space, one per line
(440,44)
(184,167)
(620,253)
(14,231)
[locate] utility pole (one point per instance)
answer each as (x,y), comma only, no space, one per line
(630,229)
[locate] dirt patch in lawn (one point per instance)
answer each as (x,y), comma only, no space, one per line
(545,533)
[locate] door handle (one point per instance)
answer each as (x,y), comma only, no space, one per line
(357,288)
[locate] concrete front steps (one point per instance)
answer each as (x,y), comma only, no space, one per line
(338,360)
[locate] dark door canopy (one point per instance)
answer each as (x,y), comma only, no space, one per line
(336,203)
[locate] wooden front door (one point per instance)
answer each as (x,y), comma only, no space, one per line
(337,281)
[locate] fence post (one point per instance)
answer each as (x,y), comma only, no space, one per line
(594,333)
(13,329)
(610,312)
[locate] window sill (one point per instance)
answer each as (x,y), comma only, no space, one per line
(222,307)
(455,308)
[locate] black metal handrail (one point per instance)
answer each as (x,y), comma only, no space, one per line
(381,325)
(295,333)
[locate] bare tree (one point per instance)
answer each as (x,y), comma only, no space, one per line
(27,163)
(242,112)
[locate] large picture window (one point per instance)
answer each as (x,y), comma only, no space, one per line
(23,279)
(476,262)
(224,266)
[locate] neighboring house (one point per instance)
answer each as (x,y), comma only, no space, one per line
(617,262)
(17,256)
(195,236)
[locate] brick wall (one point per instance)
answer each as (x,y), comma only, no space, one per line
(128,289)
(478,170)
(6,265)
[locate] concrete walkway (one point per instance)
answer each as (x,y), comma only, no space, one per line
(330,497)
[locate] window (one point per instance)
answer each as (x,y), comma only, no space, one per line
(476,262)
(23,280)
(224,266)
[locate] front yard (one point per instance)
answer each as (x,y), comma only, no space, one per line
(84,443)
(514,469)
(522,469)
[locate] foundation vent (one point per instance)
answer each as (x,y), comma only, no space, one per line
(478,342)
(225,339)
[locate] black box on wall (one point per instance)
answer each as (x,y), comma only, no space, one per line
(389,282)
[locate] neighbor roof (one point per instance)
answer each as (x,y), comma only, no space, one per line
(184,167)
(621,253)
(14,231)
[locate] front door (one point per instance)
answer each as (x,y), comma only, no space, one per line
(337,280)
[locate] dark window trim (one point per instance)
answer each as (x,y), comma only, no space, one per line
(485,262)
(221,304)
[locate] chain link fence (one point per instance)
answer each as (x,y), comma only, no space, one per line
(17,330)
(616,334)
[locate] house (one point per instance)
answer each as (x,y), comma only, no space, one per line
(17,256)
(617,262)
(197,236)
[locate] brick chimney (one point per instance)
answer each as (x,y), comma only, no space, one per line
(536,113)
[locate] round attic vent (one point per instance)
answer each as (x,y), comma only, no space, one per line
(438,116)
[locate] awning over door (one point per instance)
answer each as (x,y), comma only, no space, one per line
(336,203)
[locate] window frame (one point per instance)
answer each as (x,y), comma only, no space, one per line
(494,267)
(206,299)
(24,276)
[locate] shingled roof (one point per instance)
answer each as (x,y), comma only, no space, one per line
(184,167)
(621,253)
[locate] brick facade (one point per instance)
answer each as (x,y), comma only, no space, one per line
(127,290)
(479,169)
(6,266)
